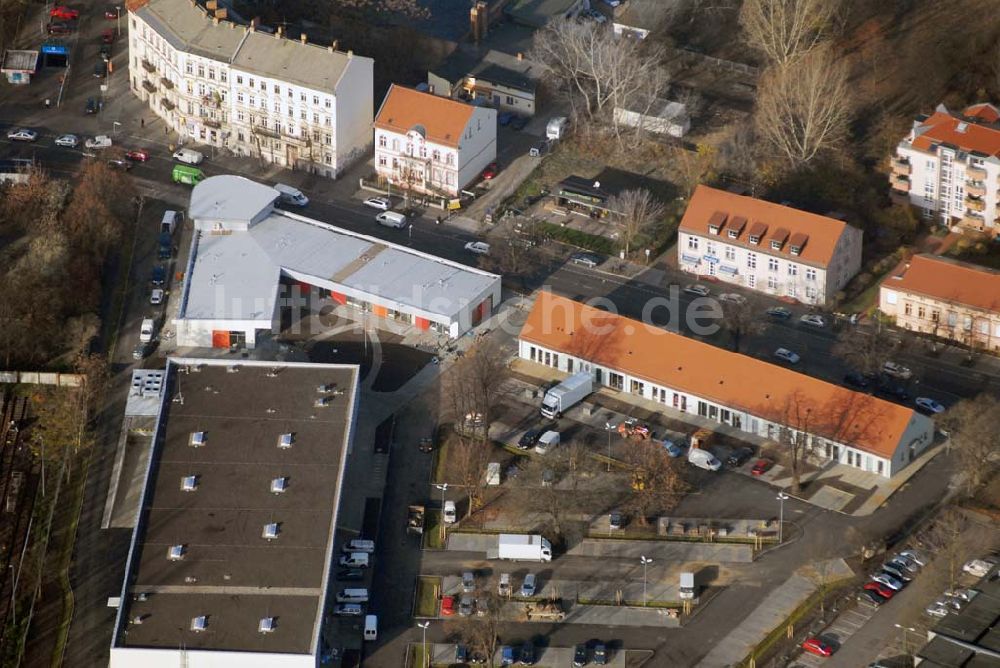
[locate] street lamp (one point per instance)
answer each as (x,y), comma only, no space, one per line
(645,561)
(608,427)
(444,488)
(903,630)
(423,627)
(782,497)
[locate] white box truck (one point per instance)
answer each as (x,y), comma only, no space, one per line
(556,128)
(523,547)
(687,586)
(567,394)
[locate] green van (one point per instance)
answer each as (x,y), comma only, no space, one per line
(189,175)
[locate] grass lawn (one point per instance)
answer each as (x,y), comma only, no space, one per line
(427,601)
(866,300)
(432,530)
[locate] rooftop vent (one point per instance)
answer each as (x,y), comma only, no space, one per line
(270,531)
(322,402)
(962,127)
(197,439)
(286,440)
(233,368)
(189,483)
(198,624)
(175,553)
(279,485)
(326,387)
(266,625)
(137,619)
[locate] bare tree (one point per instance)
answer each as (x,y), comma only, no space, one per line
(785,30)
(515,257)
(804,107)
(636,210)
(741,318)
(481,632)
(865,350)
(550,486)
(974,429)
(659,485)
(694,167)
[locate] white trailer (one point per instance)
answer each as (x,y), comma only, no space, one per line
(567,394)
(523,547)
(687,585)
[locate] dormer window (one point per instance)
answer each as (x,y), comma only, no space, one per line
(716,221)
(713,229)
(754,239)
(733,234)
(795,250)
(775,245)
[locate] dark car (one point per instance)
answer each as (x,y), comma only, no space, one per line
(505,117)
(107,36)
(616,520)
(529,439)
(461,654)
(100,70)
(779,313)
(527,654)
(111,12)
(105,52)
(580,656)
(601,654)
(123,165)
(91,106)
(891,390)
(739,457)
(857,380)
(159,275)
(871,598)
(518,122)
(58,28)
(351,574)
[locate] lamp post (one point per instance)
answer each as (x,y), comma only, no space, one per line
(902,631)
(423,627)
(782,497)
(444,488)
(608,427)
(645,561)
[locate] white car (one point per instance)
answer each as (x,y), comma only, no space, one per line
(787,355)
(888,581)
(937,609)
(813,319)
(478,247)
(450,515)
(979,567)
(156,297)
(100,141)
(915,557)
(22,134)
(612,3)
(380,203)
(896,370)
(69,141)
(732,298)
(697,289)
(928,405)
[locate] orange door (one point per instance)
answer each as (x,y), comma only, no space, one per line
(338,297)
(380,311)
(422,323)
(220,339)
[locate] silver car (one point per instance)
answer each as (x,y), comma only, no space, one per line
(67,141)
(787,355)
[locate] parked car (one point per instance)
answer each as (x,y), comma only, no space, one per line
(905,562)
(580,656)
(140,351)
(739,457)
(505,117)
(58,28)
(519,122)
(595,15)
(813,320)
(888,581)
(601,654)
(530,438)
(100,69)
(914,556)
(468,582)
(732,298)
(891,390)
(380,203)
(612,3)
(478,247)
(539,148)
(64,13)
(588,260)
(92,106)
(100,141)
(120,164)
(503,585)
(880,589)
(528,586)
(490,172)
(106,52)
(507,655)
(937,609)
(108,36)
(674,449)
(980,567)
(527,654)
(111,12)
(68,141)
(22,134)
(928,406)
(449,514)
(963,594)
(856,379)
(137,155)
(896,371)
(348,610)
(616,521)
(818,647)
(697,289)
(461,654)
(447,606)
(761,466)
(871,598)
(897,571)
(779,313)
(787,355)
(351,574)
(466,606)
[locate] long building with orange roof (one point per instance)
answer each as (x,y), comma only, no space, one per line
(948,167)
(755,396)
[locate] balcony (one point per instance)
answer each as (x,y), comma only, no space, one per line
(265,132)
(148,66)
(976,173)
(975,188)
(148,86)
(901,166)
(166,83)
(211,123)
(975,203)
(213,101)
(900,183)
(972,222)
(167,104)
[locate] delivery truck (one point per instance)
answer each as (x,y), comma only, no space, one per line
(523,547)
(687,589)
(567,394)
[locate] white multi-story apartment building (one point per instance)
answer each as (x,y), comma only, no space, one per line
(432,144)
(949,166)
(767,247)
(288,102)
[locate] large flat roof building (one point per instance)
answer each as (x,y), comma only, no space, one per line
(230,560)
(243,247)
(970,637)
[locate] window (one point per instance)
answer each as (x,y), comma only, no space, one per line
(772,264)
(772,283)
(211,73)
(733,234)
(451,159)
(790,290)
(810,274)
(290,95)
(239,97)
(793,269)
(510,100)
(921,312)
(277,106)
(302,114)
(263,85)
(250,82)
(935,315)
(775,245)
(967,322)
(277,89)
(329,103)
(754,239)
(730,253)
(316,121)
(239,79)
(638,387)
(381,141)
(811,293)
(201,71)
(436,155)
(984,327)
(327,139)
(239,135)
(693,243)
(291,113)
(252,100)
(751,281)
(302,97)
(190,68)
(239,115)
(709,248)
(616,380)
(752,260)
(316,100)
(223,76)
(382,161)
(327,121)
(908,308)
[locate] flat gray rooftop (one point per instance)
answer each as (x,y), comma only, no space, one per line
(188,27)
(229,572)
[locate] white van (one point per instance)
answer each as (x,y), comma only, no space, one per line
(146,330)
(391,219)
(371,627)
(547,441)
(352,596)
(359,545)
(169,221)
(188,156)
(355,560)
(493,474)
(703,459)
(450,514)
(290,195)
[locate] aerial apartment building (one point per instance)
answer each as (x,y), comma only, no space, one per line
(257,94)
(767,247)
(948,167)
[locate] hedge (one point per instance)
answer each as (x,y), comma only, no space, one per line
(568,235)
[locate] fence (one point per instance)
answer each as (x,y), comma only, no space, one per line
(42,378)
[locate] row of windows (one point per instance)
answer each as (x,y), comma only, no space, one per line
(438,176)
(448,157)
(951,319)
(773,264)
(289,91)
(251,102)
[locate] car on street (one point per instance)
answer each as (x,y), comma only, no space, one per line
(813,320)
(507,655)
(915,557)
(100,69)
(120,164)
(601,654)
(22,134)
(137,155)
(530,438)
(697,289)
(761,466)
(928,406)
(587,260)
(64,13)
(739,457)
(351,574)
(787,355)
(58,28)
(871,598)
(92,106)
(447,606)
(528,586)
(539,148)
(527,654)
(348,610)
(158,275)
(519,122)
(896,371)
(616,521)
(857,380)
(490,172)
(732,298)
(106,52)
(937,609)
(100,141)
(111,12)
(108,36)
(880,589)
(478,247)
(466,606)
(380,203)
(580,656)
(140,351)
(817,646)
(674,449)
(468,582)
(779,313)
(888,581)
(68,141)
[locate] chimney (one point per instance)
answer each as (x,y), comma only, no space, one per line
(253,25)
(350,53)
(430,88)
(279,32)
(302,38)
(520,56)
(212,5)
(335,45)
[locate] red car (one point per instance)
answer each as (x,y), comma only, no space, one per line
(761,466)
(58,28)
(490,171)
(137,155)
(64,13)
(817,647)
(447,606)
(108,36)
(111,13)
(880,589)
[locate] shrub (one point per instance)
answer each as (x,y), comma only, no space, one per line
(567,235)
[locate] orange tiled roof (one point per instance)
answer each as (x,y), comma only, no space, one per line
(442,118)
(984,111)
(943,128)
(948,280)
(744,383)
(817,234)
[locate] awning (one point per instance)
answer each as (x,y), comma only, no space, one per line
(710,258)
(689,258)
(726,269)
